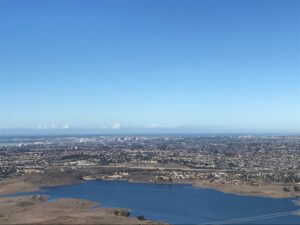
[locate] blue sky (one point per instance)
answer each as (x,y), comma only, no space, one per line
(203,65)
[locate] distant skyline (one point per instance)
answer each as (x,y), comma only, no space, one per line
(199,66)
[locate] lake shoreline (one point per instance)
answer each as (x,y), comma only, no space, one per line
(104,203)
(263,190)
(23,184)
(62,182)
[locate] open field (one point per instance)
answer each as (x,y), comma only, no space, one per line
(36,210)
(266,190)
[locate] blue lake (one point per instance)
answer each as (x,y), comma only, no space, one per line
(177,203)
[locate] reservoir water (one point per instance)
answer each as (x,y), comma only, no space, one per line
(178,203)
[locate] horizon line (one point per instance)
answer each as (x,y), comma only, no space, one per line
(140,131)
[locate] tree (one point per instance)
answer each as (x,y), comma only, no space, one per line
(140,217)
(285,189)
(296,189)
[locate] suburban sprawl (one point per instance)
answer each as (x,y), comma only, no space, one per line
(264,165)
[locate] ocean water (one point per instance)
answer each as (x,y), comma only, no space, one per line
(179,203)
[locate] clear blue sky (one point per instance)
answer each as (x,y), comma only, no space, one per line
(207,65)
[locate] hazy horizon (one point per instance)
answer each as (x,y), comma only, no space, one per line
(141,131)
